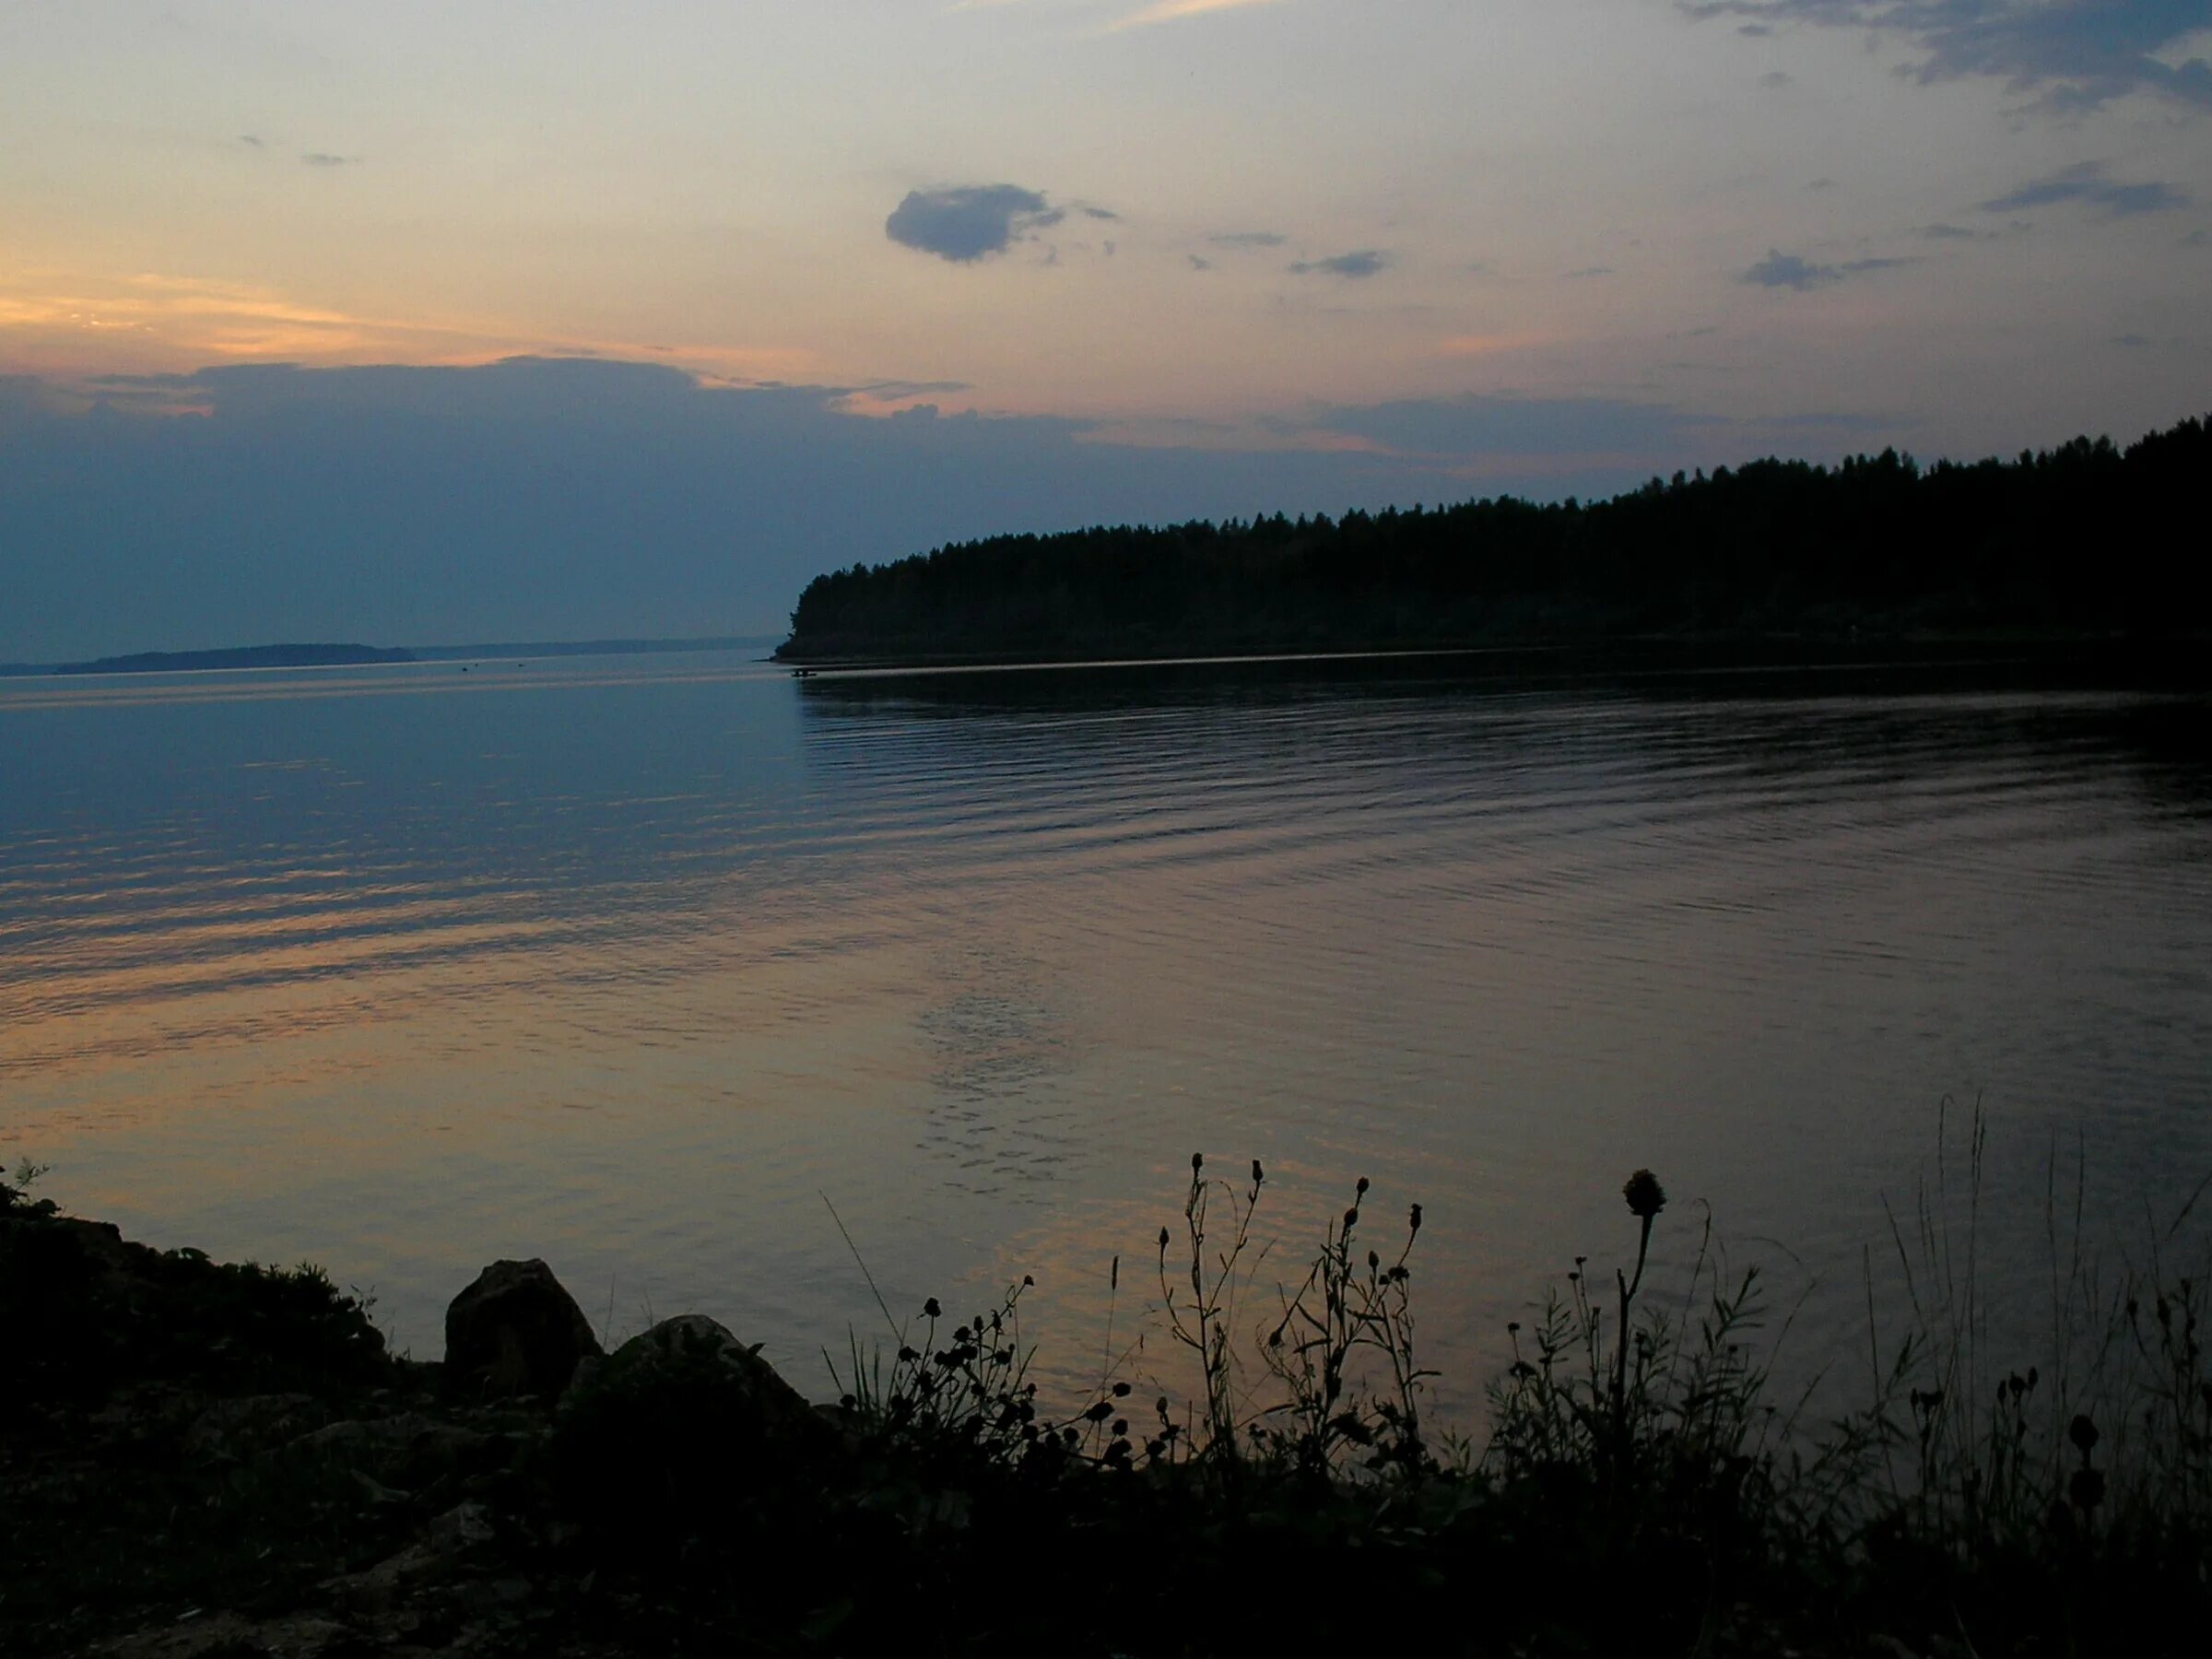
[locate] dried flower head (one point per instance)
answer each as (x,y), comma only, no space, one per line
(1646,1197)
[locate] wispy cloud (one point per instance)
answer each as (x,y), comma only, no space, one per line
(74,325)
(1362,263)
(964,223)
(1780,270)
(2076,53)
(1249,239)
(1489,345)
(2089,183)
(1169,11)
(324,158)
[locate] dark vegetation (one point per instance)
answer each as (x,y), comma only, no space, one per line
(202,1460)
(2085,539)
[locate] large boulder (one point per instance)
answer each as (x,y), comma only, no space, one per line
(693,1350)
(515,1330)
(687,1428)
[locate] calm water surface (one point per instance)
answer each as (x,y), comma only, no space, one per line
(627,962)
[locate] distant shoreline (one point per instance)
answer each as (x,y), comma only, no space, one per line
(238,657)
(353,655)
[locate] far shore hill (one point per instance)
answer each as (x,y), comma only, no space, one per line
(347,655)
(2083,543)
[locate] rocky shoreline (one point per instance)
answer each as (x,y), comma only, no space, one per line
(201,1461)
(210,1461)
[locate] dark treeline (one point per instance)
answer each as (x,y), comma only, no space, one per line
(2086,538)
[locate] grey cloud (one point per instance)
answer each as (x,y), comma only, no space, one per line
(2076,53)
(2133,341)
(1821,185)
(1201,264)
(1592,271)
(897,389)
(250,140)
(568,498)
(1941,232)
(1780,270)
(1775,80)
(1477,425)
(1249,239)
(1828,420)
(964,223)
(1365,262)
(1100,213)
(324,158)
(2087,182)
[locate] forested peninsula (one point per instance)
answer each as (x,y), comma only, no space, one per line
(2084,540)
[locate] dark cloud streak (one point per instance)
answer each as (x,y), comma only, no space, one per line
(1780,270)
(1356,266)
(2089,183)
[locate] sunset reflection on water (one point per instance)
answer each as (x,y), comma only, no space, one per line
(630,963)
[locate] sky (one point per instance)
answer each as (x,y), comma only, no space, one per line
(422,322)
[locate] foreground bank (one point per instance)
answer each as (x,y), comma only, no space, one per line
(201,1460)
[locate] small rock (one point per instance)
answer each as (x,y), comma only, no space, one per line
(485,1595)
(451,1534)
(386,1442)
(515,1330)
(228,1636)
(232,1427)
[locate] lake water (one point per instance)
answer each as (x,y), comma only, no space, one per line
(628,962)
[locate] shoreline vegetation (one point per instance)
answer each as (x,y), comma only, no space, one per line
(202,1461)
(2073,543)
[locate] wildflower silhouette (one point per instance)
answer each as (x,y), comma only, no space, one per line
(1646,1198)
